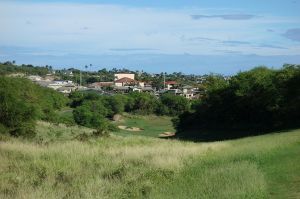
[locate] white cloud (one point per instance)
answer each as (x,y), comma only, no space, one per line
(96,28)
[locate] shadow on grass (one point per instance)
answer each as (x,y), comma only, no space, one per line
(204,135)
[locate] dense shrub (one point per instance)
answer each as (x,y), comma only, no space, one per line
(173,105)
(22,103)
(258,100)
(10,67)
(142,103)
(117,103)
(93,114)
(95,111)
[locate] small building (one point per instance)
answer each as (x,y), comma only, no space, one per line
(69,73)
(141,84)
(170,84)
(188,92)
(142,89)
(174,92)
(100,84)
(66,89)
(121,89)
(148,90)
(189,95)
(124,75)
(125,81)
(57,84)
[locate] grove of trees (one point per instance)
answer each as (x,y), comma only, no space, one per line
(93,110)
(251,102)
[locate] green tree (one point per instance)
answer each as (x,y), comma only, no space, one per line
(173,105)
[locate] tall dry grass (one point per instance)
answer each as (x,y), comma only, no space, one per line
(137,167)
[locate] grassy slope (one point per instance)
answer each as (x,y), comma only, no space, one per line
(138,167)
(152,125)
(259,167)
(47,132)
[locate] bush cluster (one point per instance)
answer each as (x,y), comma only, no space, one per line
(22,103)
(93,110)
(258,100)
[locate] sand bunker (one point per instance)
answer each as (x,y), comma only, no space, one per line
(166,135)
(134,129)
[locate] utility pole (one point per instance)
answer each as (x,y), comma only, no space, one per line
(164,81)
(80,79)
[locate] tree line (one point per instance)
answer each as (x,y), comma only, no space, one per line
(251,102)
(89,76)
(93,110)
(22,103)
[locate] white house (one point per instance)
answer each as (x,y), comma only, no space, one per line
(57,84)
(170,84)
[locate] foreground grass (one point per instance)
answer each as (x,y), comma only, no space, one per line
(259,167)
(139,167)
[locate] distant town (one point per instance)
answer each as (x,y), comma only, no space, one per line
(115,81)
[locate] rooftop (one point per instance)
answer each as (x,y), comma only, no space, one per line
(126,80)
(171,82)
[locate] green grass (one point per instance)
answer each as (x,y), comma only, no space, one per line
(142,167)
(152,125)
(258,167)
(65,116)
(47,132)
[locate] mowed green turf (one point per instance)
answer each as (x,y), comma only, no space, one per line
(143,167)
(151,125)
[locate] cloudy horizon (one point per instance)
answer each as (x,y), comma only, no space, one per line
(185,36)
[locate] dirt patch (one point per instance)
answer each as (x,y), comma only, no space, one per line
(166,135)
(134,129)
(117,117)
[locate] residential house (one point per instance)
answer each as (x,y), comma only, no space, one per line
(174,92)
(126,81)
(170,84)
(67,89)
(188,92)
(69,73)
(99,85)
(121,89)
(124,75)
(147,89)
(143,89)
(57,84)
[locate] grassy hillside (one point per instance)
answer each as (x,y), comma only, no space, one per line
(140,167)
(47,132)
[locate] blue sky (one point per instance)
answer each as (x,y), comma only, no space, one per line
(187,36)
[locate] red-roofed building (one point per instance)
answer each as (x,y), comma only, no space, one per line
(125,81)
(170,84)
